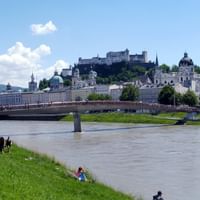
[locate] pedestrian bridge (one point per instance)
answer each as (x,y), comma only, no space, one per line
(87,106)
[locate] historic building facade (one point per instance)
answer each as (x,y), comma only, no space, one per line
(78,83)
(186,75)
(184,79)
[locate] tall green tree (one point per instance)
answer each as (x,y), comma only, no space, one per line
(190,99)
(129,93)
(174,68)
(165,68)
(43,84)
(167,95)
(67,82)
(178,98)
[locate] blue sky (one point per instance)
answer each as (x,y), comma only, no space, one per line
(85,28)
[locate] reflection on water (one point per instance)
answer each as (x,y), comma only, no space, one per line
(137,159)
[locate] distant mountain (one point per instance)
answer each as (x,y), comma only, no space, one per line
(14,88)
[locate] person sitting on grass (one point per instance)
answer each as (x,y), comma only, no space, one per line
(80,174)
(1,144)
(8,144)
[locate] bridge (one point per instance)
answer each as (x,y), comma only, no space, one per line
(83,106)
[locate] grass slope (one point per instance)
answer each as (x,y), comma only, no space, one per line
(26,175)
(124,118)
(117,117)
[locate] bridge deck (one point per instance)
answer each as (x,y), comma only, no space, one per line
(83,106)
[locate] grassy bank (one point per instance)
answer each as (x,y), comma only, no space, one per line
(123,118)
(193,123)
(27,175)
(119,117)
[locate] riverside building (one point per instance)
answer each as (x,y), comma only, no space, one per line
(184,79)
(186,75)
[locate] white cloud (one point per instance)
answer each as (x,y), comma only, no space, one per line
(43,29)
(20,61)
(60,64)
(21,51)
(42,50)
(48,72)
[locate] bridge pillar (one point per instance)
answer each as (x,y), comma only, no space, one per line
(190,116)
(77,122)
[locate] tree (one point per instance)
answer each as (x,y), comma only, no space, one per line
(138,70)
(125,76)
(129,93)
(197,69)
(190,99)
(167,95)
(178,98)
(174,68)
(165,68)
(43,84)
(96,97)
(67,82)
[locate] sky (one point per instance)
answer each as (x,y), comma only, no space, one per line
(43,36)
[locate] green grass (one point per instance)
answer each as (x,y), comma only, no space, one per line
(178,115)
(25,175)
(118,117)
(193,123)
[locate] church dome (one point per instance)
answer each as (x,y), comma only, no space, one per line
(56,82)
(185,61)
(56,79)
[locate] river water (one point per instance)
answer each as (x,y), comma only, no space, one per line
(136,159)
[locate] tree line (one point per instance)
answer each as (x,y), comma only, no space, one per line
(167,96)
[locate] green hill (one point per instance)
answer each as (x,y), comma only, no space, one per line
(15,88)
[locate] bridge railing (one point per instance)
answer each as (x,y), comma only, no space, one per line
(103,104)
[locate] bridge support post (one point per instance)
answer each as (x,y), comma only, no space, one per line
(190,116)
(77,122)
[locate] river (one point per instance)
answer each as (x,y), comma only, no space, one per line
(135,159)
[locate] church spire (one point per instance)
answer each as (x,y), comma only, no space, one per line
(157,63)
(32,78)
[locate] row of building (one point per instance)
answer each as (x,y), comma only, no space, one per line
(186,78)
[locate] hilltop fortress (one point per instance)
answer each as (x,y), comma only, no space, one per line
(115,57)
